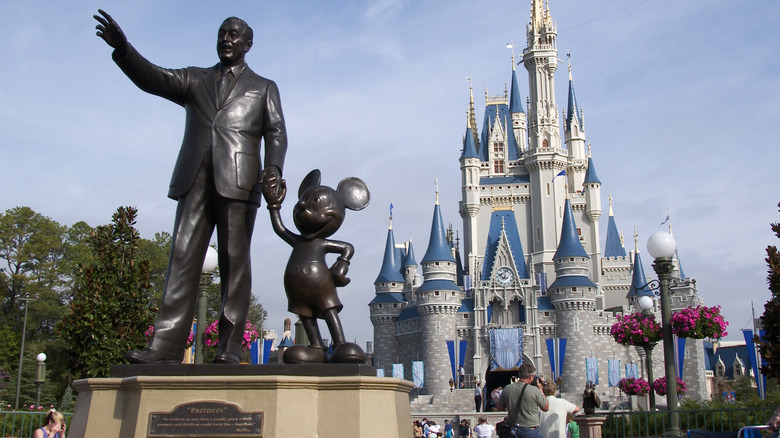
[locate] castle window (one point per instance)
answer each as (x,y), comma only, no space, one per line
(545,144)
(548,189)
(498,148)
(395,305)
(436,293)
(574,289)
(571,259)
(538,233)
(579,231)
(392,284)
(498,166)
(546,313)
(378,306)
(465,316)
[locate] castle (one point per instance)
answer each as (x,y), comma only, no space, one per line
(534,274)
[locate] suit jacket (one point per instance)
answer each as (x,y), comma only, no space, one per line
(229,130)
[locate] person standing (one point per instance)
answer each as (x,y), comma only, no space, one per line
(464,429)
(553,422)
(572,426)
(523,401)
(483,429)
(217,180)
(478,396)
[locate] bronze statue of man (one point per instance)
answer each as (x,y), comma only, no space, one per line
(216,181)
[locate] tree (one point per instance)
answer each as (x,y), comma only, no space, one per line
(770,320)
(31,249)
(112,300)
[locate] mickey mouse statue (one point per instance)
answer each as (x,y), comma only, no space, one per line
(309,283)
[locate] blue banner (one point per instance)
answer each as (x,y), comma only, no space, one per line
(506,347)
(613,367)
(551,356)
(462,352)
(561,354)
(451,351)
(398,370)
(418,376)
(380,372)
(632,371)
(254,352)
(680,356)
(592,370)
(489,312)
(267,343)
(751,350)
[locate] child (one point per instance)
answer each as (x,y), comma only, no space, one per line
(572,429)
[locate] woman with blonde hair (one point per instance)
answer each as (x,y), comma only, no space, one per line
(53,427)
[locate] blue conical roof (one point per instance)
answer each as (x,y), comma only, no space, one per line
(590,174)
(639,285)
(469,150)
(573,109)
(679,264)
(438,249)
(613,247)
(409,259)
(569,245)
(391,263)
(515,104)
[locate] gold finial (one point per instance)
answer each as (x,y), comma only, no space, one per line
(437,188)
(636,241)
(512,46)
(610,203)
(589,149)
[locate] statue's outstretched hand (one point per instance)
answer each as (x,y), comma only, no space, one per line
(339,272)
(110,32)
(273,186)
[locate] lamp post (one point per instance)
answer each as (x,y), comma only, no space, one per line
(26,300)
(661,247)
(40,375)
(645,304)
(209,264)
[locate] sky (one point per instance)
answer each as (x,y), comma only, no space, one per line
(679,99)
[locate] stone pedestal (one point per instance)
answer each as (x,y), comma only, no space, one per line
(279,401)
(590,425)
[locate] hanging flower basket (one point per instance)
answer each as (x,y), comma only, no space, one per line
(634,386)
(636,329)
(699,322)
(660,386)
(212,335)
(190,339)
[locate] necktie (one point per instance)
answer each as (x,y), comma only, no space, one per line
(224,84)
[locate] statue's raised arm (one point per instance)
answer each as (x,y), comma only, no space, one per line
(110,32)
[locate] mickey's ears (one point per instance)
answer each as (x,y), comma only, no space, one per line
(311,180)
(354,192)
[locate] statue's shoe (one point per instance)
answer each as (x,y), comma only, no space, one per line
(347,353)
(227,358)
(302,354)
(151,356)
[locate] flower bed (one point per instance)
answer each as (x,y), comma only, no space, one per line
(634,386)
(699,322)
(636,329)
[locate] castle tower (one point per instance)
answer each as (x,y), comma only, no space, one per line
(574,132)
(615,267)
(519,119)
(591,189)
(546,159)
(470,198)
(387,304)
(437,302)
(573,295)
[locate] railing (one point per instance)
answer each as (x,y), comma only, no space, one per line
(15,424)
(653,424)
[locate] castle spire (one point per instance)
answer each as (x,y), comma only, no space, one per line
(391,265)
(614,245)
(570,245)
(438,249)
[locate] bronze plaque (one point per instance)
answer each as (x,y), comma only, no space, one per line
(206,419)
